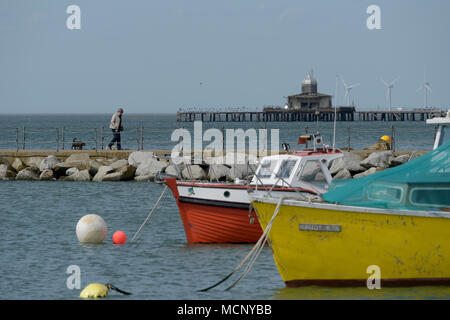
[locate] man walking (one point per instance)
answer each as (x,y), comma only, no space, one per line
(116,127)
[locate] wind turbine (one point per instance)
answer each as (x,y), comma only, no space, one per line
(425,86)
(347,89)
(389,87)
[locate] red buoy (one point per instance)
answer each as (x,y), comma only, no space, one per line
(119,237)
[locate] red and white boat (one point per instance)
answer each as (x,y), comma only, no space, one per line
(220,212)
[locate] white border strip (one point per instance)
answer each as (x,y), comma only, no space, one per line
(291,201)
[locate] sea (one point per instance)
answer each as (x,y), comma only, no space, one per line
(39,247)
(156,131)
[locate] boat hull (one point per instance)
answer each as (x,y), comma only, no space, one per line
(212,221)
(409,250)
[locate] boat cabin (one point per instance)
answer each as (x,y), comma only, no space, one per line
(307,168)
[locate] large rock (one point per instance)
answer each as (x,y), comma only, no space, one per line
(218,171)
(138,157)
(367,172)
(18,165)
(233,158)
(102,172)
(348,161)
(150,167)
(5,161)
(197,172)
(72,171)
(94,166)
(215,160)
(102,161)
(29,173)
(172,170)
(343,174)
(82,175)
(8,166)
(61,168)
(119,164)
(78,157)
(117,171)
(33,161)
(6,173)
(110,161)
(237,162)
(81,161)
(415,155)
(241,171)
(378,160)
(48,163)
(114,176)
(122,174)
(399,160)
(46,174)
(144,178)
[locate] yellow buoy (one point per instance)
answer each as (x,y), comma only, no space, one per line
(386,138)
(95,290)
(98,290)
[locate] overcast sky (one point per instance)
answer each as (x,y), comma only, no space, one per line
(158,56)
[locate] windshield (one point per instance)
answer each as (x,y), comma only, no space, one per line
(286,168)
(266,169)
(313,174)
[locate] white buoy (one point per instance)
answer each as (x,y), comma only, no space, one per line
(91,229)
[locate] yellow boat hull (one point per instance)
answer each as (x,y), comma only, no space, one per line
(408,249)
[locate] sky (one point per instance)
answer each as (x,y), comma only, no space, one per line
(159,56)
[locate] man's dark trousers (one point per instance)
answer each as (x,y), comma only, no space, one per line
(116,138)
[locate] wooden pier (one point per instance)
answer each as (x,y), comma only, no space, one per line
(406,115)
(268,115)
(290,115)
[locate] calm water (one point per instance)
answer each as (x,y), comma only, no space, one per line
(37,224)
(38,219)
(41,133)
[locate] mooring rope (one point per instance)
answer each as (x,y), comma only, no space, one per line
(253,254)
(150,214)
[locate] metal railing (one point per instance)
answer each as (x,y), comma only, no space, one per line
(62,138)
(97,138)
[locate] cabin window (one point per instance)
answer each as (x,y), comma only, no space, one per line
(312,173)
(267,168)
(432,197)
(385,193)
(286,168)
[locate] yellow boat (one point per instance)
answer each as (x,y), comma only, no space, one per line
(393,225)
(334,245)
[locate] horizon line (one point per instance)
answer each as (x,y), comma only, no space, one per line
(77,114)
